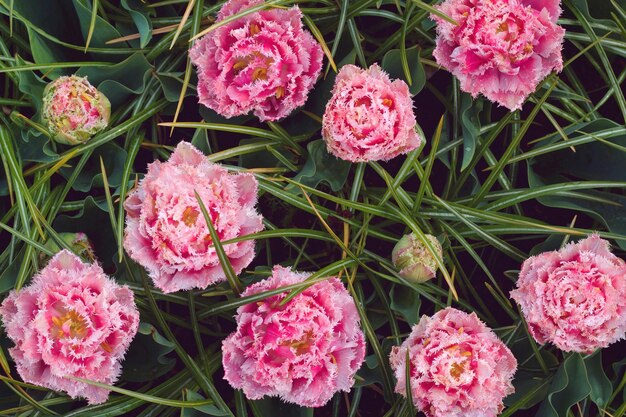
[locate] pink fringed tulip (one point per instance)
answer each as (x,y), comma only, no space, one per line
(576,297)
(166,231)
(74,110)
(369,117)
(458,366)
(72,321)
(263,62)
(501,49)
(304,351)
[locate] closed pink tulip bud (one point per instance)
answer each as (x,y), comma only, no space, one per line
(413,259)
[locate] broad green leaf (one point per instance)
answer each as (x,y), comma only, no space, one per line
(569,386)
(392,63)
(470,123)
(406,302)
(103,32)
(592,161)
(141,17)
(146,358)
(321,166)
(601,388)
(112,155)
(118,82)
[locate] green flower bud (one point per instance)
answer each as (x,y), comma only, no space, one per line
(413,259)
(78,242)
(74,110)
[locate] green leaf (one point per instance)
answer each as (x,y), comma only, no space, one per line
(274,407)
(570,385)
(103,32)
(322,166)
(93,220)
(597,160)
(146,358)
(91,176)
(406,302)
(118,82)
(141,17)
(392,63)
(470,122)
(601,388)
(202,410)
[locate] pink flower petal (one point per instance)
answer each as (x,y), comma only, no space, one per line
(71,321)
(264,62)
(304,351)
(574,298)
(166,231)
(458,366)
(369,117)
(501,49)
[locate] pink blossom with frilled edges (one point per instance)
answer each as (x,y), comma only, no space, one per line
(166,231)
(501,49)
(458,366)
(369,117)
(72,321)
(304,351)
(264,62)
(576,297)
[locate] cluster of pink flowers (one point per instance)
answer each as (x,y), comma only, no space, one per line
(369,117)
(166,231)
(72,321)
(576,297)
(263,62)
(74,110)
(304,351)
(501,49)
(458,366)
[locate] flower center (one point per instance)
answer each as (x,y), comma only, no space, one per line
(302,346)
(69,325)
(258,61)
(190,215)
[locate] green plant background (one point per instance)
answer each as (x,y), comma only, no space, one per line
(494,187)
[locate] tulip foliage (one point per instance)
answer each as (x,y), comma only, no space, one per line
(320,208)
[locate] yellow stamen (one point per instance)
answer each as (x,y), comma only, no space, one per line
(190,215)
(280,92)
(387,102)
(456,370)
(259,73)
(240,64)
(254,29)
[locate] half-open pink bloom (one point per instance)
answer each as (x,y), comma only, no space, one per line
(74,110)
(458,366)
(576,297)
(369,117)
(263,62)
(166,231)
(501,49)
(304,351)
(72,321)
